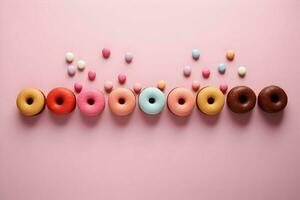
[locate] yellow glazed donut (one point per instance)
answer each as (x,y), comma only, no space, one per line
(210,100)
(121,101)
(181,101)
(31,101)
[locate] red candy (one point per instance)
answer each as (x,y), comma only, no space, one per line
(223,88)
(122,78)
(105,53)
(205,73)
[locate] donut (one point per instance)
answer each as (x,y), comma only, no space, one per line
(181,101)
(121,101)
(241,99)
(91,102)
(152,101)
(272,99)
(210,100)
(30,101)
(61,101)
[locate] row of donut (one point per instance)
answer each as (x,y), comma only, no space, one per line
(180,101)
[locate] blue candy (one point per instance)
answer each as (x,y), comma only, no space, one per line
(222,68)
(196,54)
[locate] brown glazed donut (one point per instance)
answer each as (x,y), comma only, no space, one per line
(272,99)
(241,99)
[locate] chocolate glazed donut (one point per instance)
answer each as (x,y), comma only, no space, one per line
(272,99)
(241,99)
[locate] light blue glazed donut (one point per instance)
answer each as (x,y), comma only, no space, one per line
(152,101)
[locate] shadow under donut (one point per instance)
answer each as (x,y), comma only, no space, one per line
(177,120)
(210,120)
(90,121)
(274,119)
(241,119)
(59,119)
(29,121)
(120,120)
(149,119)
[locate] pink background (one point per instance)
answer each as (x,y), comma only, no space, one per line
(252,156)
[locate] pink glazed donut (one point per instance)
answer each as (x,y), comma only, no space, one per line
(91,102)
(181,101)
(121,101)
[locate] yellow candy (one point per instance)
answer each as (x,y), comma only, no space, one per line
(161,85)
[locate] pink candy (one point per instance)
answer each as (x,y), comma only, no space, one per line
(137,87)
(78,87)
(108,86)
(105,53)
(196,86)
(122,78)
(92,75)
(205,73)
(223,88)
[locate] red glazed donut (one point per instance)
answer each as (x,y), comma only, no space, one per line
(61,101)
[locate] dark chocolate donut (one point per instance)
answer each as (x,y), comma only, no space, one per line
(241,99)
(272,99)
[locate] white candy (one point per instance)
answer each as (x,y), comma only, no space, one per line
(69,57)
(71,70)
(187,70)
(242,71)
(128,57)
(81,64)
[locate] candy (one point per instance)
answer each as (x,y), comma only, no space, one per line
(242,71)
(105,53)
(71,70)
(128,57)
(108,86)
(230,55)
(222,68)
(92,75)
(69,57)
(187,70)
(195,54)
(196,85)
(223,87)
(137,87)
(81,64)
(122,78)
(161,85)
(205,73)
(78,87)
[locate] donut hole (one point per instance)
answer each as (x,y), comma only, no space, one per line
(151,100)
(29,101)
(274,98)
(210,100)
(121,101)
(59,101)
(181,101)
(243,99)
(91,101)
